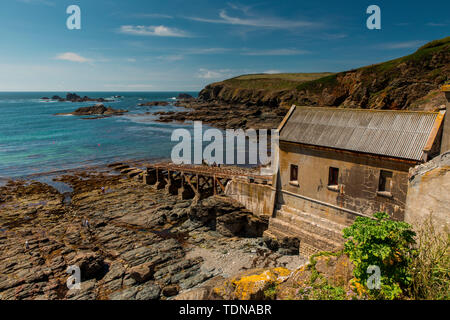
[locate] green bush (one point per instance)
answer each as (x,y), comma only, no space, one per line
(384,243)
(271,292)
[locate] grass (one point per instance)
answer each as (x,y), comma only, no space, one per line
(420,55)
(318,84)
(430,267)
(273,82)
(285,76)
(315,82)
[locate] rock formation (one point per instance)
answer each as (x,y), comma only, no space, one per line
(154,103)
(184,96)
(73,97)
(98,109)
(139,243)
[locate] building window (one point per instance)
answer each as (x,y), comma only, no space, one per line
(333,177)
(294,174)
(384,184)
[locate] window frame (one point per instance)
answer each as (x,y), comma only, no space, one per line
(333,176)
(291,170)
(385,183)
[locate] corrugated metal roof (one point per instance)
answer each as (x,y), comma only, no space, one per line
(399,134)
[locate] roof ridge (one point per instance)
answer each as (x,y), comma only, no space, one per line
(368,110)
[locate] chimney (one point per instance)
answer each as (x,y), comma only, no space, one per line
(445,144)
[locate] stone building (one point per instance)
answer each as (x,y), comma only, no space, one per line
(337,164)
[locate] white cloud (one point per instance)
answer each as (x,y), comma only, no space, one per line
(239,7)
(275,52)
(131,59)
(263,22)
(45,2)
(70,56)
(434,24)
(153,15)
(160,31)
(334,36)
(213,74)
(172,57)
(207,50)
(403,45)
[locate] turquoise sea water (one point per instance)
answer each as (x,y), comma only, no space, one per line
(34,140)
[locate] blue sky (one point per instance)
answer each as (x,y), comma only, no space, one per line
(138,45)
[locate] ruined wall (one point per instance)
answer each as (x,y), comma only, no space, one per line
(257,198)
(358,180)
(428,192)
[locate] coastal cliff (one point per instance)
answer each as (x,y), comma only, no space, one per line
(409,82)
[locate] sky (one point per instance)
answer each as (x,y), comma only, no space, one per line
(175,45)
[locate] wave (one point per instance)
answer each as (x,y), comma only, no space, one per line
(46,101)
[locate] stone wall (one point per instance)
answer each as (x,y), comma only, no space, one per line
(257,198)
(318,208)
(445,144)
(358,179)
(428,192)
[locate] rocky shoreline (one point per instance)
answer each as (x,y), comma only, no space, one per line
(139,243)
(99,110)
(225,116)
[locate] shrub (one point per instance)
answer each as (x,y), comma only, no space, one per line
(271,292)
(328,292)
(430,267)
(384,243)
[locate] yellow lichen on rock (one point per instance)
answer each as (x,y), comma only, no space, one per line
(253,286)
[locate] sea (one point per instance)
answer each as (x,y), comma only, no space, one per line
(34,140)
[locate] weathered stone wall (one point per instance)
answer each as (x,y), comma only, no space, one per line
(358,180)
(257,198)
(318,208)
(445,144)
(428,192)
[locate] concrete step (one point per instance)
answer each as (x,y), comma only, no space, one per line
(314,218)
(311,225)
(313,239)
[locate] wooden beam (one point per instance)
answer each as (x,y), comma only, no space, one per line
(177,174)
(189,182)
(168,177)
(286,117)
(221,185)
(434,131)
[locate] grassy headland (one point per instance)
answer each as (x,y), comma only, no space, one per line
(412,82)
(397,84)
